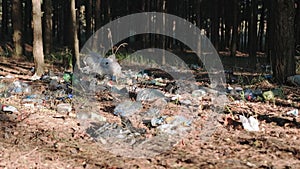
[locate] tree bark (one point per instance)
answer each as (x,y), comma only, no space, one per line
(283,51)
(98,14)
(17,28)
(47,5)
(215,25)
(75,41)
(88,10)
(297,22)
(270,30)
(5,19)
(252,38)
(233,46)
(67,24)
(261,28)
(38,52)
(27,27)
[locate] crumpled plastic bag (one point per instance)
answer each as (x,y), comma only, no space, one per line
(249,124)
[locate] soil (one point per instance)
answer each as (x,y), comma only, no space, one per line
(42,138)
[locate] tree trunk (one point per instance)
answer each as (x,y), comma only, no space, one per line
(215,25)
(261,28)
(17,28)
(233,47)
(37,37)
(164,32)
(297,22)
(75,42)
(47,5)
(222,39)
(283,60)
(198,14)
(270,30)
(27,22)
(98,14)
(88,10)
(252,38)
(5,18)
(67,24)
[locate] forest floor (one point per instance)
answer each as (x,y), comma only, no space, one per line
(42,138)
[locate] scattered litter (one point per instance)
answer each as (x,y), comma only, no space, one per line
(268,96)
(128,108)
(7,108)
(64,108)
(9,76)
(295,80)
(249,124)
(83,115)
(158,121)
(149,95)
(199,93)
(249,95)
(238,89)
(186,102)
(175,125)
(97,117)
(293,113)
(67,77)
(95,63)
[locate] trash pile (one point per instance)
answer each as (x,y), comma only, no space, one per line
(150,109)
(238,93)
(135,112)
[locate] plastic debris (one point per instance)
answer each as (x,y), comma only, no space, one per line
(152,112)
(268,77)
(149,95)
(19,87)
(278,92)
(128,108)
(64,108)
(7,108)
(268,96)
(249,95)
(121,90)
(293,113)
(175,125)
(67,77)
(31,99)
(95,63)
(295,80)
(98,117)
(238,89)
(199,93)
(158,121)
(83,115)
(249,124)
(186,102)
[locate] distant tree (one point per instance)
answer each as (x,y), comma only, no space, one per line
(88,18)
(261,27)
(98,14)
(17,28)
(47,26)
(233,46)
(297,22)
(283,49)
(252,38)
(37,38)
(5,18)
(27,25)
(75,41)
